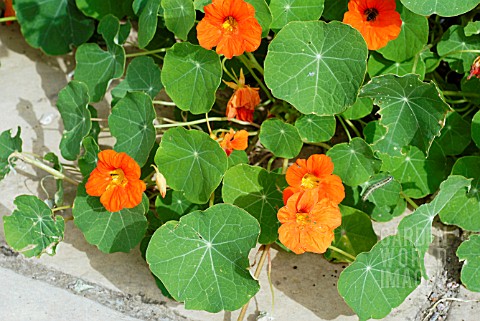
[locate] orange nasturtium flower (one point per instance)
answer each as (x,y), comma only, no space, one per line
(376,20)
(475,70)
(231,26)
(243,101)
(314,173)
(116,179)
(232,140)
(9,11)
(308,223)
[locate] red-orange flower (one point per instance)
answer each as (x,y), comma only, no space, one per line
(475,70)
(243,101)
(232,140)
(9,11)
(308,223)
(116,179)
(376,20)
(231,26)
(314,173)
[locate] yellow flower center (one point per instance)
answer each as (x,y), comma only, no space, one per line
(302,219)
(310,181)
(230,24)
(117,178)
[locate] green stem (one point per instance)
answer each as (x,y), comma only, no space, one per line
(344,127)
(270,162)
(146,52)
(409,200)
(255,63)
(336,249)
(43,166)
(460,51)
(6,19)
(201,121)
(285,165)
(460,94)
(211,202)
(226,70)
(352,126)
(61,208)
(323,145)
(246,62)
(164,103)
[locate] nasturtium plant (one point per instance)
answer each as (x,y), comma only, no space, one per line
(199,130)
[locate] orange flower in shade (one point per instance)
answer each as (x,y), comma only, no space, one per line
(231,26)
(116,179)
(308,223)
(314,173)
(232,140)
(243,101)
(377,21)
(475,70)
(9,11)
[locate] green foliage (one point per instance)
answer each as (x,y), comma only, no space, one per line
(147,11)
(281,138)
(285,11)
(179,16)
(174,206)
(262,14)
(453,43)
(52,158)
(8,145)
(335,9)
(99,9)
(203,259)
(361,108)
(476,129)
(445,8)
(469,251)
(32,229)
(377,66)
(88,161)
(315,129)
(472,28)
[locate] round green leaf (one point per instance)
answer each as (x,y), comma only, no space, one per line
(147,11)
(32,229)
(381,279)
(335,9)
(317,67)
(354,161)
(455,135)
(203,259)
(281,138)
(476,129)
(472,28)
(361,108)
(143,74)
(255,190)
(444,8)
(55,26)
(418,175)
(8,145)
(412,112)
(179,16)
(191,76)
(110,231)
(73,107)
(377,66)
(454,39)
(131,123)
(285,11)
(262,14)
(412,38)
(354,236)
(96,67)
(464,209)
(315,129)
(98,9)
(469,251)
(191,162)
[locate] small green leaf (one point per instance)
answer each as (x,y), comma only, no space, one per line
(354,161)
(374,132)
(147,11)
(88,161)
(335,9)
(174,206)
(32,229)
(444,8)
(96,67)
(237,157)
(361,108)
(317,67)
(8,145)
(354,236)
(179,16)
(281,138)
(262,14)
(109,231)
(316,129)
(455,135)
(412,112)
(143,74)
(381,279)
(199,4)
(454,40)
(412,38)
(191,162)
(469,251)
(472,28)
(418,175)
(464,209)
(52,158)
(73,106)
(255,190)
(55,26)
(476,129)
(191,76)
(377,66)
(131,123)
(285,11)
(203,259)
(99,9)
